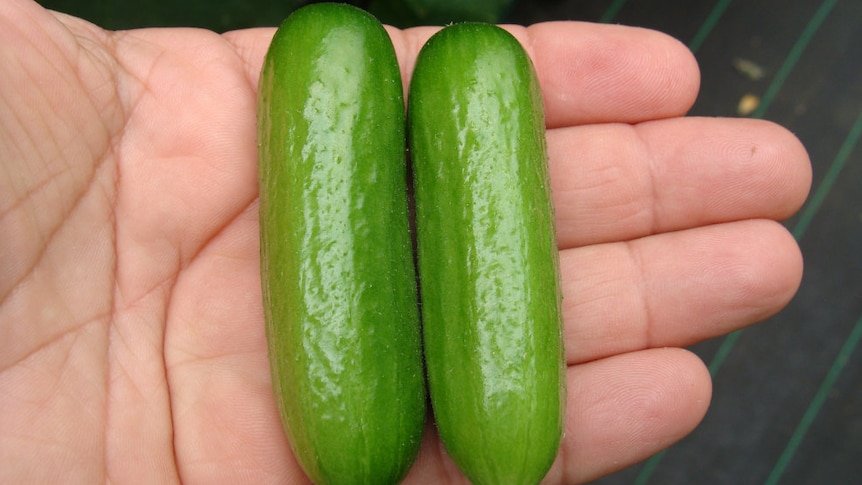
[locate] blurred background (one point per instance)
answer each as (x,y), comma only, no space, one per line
(787,404)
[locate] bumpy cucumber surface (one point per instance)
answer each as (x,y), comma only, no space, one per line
(337,269)
(488,261)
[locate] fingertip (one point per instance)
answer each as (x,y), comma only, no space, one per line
(793,163)
(664,391)
(770,166)
(593,73)
(624,408)
(773,274)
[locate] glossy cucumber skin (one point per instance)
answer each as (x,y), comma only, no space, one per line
(337,270)
(488,261)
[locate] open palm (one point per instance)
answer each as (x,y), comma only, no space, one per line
(132,342)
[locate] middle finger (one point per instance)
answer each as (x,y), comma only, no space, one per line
(615,182)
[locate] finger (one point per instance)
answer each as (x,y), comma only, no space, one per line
(615,182)
(588,72)
(675,289)
(625,408)
(593,73)
(619,411)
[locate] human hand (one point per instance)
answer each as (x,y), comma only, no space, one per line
(132,344)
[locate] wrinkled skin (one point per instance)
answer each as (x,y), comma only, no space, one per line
(131,332)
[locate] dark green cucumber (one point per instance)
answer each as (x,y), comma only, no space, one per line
(488,261)
(337,269)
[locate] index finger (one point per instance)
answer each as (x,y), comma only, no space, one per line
(594,73)
(589,73)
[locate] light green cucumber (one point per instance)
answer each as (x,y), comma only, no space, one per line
(488,261)
(337,271)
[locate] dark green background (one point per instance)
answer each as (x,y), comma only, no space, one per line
(222,15)
(787,404)
(219,15)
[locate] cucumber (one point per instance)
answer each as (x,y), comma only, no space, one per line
(487,256)
(337,269)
